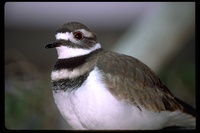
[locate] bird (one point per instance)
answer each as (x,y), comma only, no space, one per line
(97,89)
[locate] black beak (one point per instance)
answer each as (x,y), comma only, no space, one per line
(52,45)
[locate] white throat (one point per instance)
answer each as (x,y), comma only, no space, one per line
(67,52)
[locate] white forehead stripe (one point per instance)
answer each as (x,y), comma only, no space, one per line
(69,36)
(64,36)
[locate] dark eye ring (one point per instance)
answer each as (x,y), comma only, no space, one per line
(78,35)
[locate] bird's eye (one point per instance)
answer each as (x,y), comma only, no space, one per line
(78,35)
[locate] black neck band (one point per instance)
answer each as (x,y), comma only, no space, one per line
(71,63)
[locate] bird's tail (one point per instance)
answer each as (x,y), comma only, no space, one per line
(185,118)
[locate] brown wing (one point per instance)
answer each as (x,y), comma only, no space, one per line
(131,80)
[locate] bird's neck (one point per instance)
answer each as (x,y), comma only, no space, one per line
(74,62)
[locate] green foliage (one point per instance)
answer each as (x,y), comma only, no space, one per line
(30,105)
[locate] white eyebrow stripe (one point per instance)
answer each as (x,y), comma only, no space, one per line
(86,33)
(68,36)
(64,36)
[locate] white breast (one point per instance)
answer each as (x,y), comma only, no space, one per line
(92,106)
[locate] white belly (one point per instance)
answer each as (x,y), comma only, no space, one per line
(93,107)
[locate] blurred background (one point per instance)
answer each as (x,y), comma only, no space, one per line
(160,34)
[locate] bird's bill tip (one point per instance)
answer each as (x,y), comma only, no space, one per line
(49,46)
(52,45)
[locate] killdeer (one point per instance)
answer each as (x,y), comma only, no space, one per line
(97,89)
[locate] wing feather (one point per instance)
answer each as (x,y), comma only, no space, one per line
(139,84)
